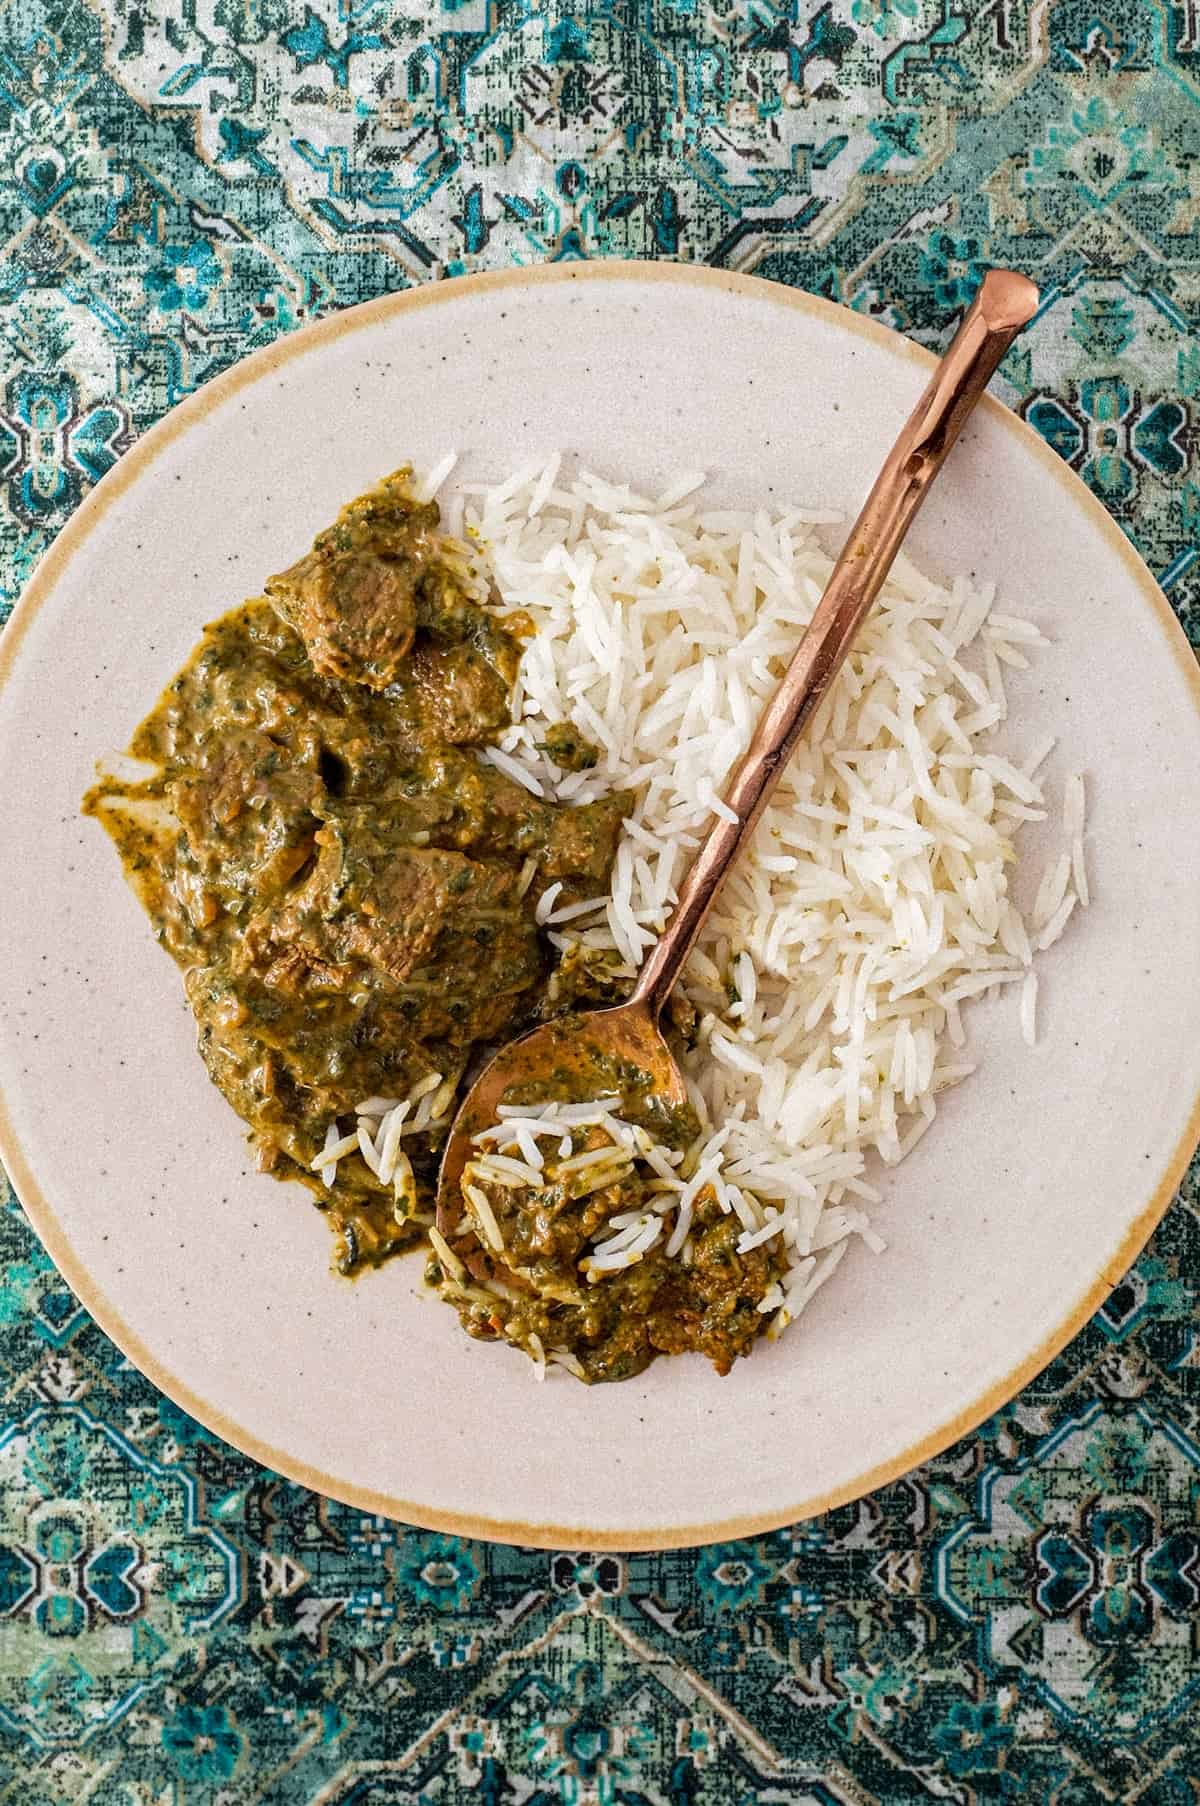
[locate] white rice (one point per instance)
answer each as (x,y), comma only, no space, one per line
(404,1187)
(482,1211)
(1058,921)
(876,897)
(388,1142)
(366,1148)
(433,479)
(446,1255)
(326,1165)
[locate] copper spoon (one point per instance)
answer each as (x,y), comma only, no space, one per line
(630,1033)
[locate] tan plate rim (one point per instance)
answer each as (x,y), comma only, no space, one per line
(72,541)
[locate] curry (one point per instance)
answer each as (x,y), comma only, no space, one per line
(350,891)
(522,1263)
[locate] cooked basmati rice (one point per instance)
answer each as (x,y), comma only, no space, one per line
(876,896)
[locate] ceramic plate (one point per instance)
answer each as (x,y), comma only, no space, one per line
(1007,1226)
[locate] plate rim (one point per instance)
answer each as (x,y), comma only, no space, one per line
(72,539)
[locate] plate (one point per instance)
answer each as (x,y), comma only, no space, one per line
(1007,1226)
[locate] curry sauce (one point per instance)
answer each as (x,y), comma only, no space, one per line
(348,888)
(350,892)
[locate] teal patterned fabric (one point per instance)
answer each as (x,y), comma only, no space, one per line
(184,180)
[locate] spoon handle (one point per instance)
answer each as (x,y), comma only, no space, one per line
(1004,304)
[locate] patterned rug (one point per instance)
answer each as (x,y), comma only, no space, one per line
(1020,1620)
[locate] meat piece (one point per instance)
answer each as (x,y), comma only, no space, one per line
(355,612)
(451,932)
(567,840)
(246,813)
(420,907)
(296,970)
(582,842)
(399,913)
(354,598)
(457,694)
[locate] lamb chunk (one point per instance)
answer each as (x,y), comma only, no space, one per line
(355,612)
(354,598)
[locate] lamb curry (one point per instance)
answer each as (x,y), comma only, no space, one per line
(350,889)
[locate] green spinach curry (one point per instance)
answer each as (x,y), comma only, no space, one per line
(523,1264)
(350,892)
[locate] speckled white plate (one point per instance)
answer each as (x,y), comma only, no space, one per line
(1045,1172)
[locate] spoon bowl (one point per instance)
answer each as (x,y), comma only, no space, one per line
(582,1050)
